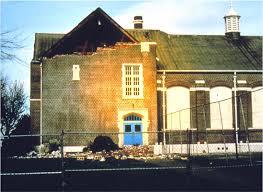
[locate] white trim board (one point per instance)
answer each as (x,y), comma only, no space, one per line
(202,149)
(199,89)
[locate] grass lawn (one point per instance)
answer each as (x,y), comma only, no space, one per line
(167,174)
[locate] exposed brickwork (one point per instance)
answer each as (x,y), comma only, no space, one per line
(35,116)
(35,94)
(211,79)
(91,104)
(35,81)
(210,136)
(255,136)
(244,110)
(200,110)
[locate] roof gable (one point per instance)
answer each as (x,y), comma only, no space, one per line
(97,30)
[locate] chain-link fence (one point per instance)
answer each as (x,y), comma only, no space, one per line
(183,151)
(223,126)
(189,142)
(228,126)
(213,135)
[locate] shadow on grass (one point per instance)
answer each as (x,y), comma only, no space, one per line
(198,176)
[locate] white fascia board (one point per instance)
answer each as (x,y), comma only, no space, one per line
(200,81)
(242,89)
(241,82)
(211,71)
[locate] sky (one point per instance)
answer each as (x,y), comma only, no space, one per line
(175,17)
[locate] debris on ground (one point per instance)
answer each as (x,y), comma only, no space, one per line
(127,152)
(142,153)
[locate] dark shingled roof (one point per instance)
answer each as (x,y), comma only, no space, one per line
(203,52)
(188,52)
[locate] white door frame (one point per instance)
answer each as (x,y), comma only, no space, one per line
(143,112)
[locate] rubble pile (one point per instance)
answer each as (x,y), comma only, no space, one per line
(34,154)
(127,152)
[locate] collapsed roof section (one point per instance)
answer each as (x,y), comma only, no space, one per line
(97,30)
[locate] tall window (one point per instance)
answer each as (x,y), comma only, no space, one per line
(257,107)
(178,104)
(221,108)
(132,81)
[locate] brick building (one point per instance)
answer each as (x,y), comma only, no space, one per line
(102,78)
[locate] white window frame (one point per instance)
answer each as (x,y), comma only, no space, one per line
(257,114)
(76,70)
(132,96)
(178,108)
(225,106)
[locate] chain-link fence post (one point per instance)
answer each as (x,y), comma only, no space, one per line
(245,125)
(235,112)
(206,137)
(181,139)
(189,142)
(62,160)
(223,133)
(189,159)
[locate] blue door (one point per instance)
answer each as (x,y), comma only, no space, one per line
(132,130)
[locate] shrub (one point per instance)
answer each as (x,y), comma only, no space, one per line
(16,146)
(53,145)
(87,148)
(43,148)
(101,143)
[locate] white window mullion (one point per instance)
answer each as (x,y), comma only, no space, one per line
(141,81)
(132,81)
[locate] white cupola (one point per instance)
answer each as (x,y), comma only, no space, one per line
(232,23)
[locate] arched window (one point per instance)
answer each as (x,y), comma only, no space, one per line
(221,108)
(257,107)
(178,104)
(132,118)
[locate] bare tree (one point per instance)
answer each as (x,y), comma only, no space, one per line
(10,42)
(13,101)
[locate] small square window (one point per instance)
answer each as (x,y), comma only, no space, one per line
(137,128)
(75,70)
(127,128)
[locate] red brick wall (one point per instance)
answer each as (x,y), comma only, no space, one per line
(91,104)
(35,95)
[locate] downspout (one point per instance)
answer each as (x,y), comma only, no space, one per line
(235,100)
(163,81)
(41,86)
